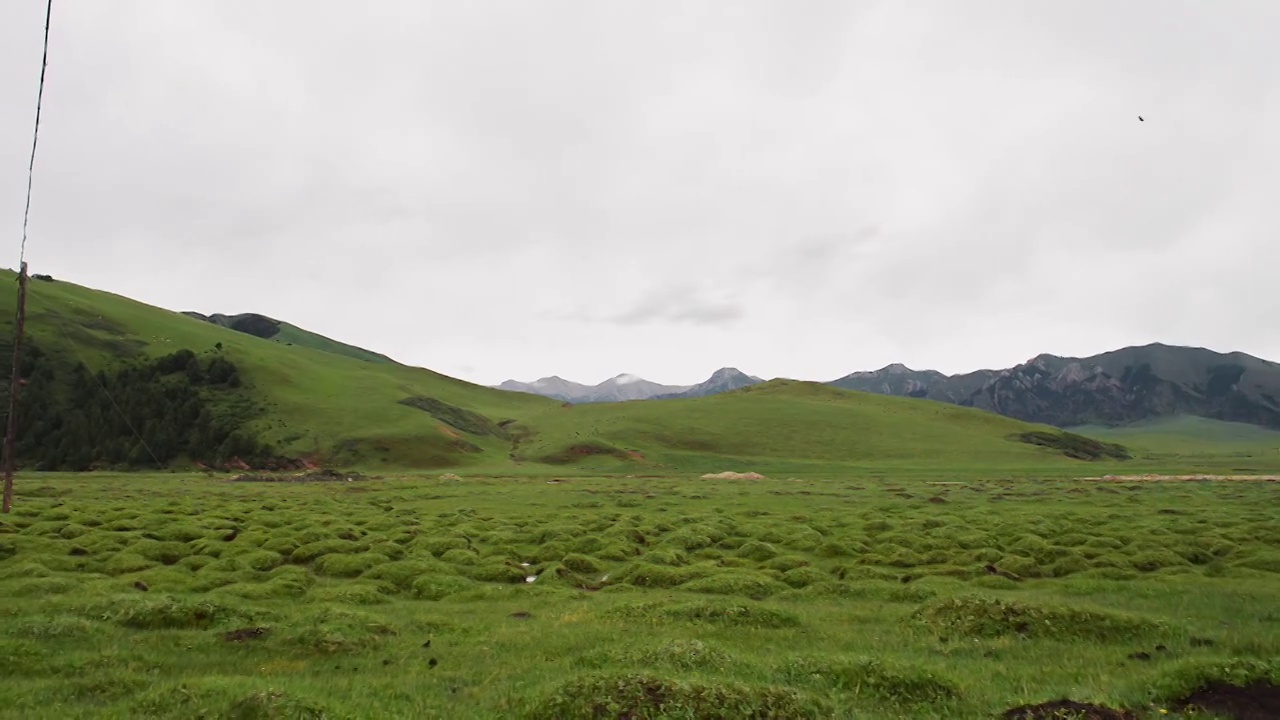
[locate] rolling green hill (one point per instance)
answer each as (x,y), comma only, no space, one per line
(1189,436)
(780,425)
(329,408)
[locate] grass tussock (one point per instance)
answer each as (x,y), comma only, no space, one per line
(977,616)
(885,682)
(139,597)
(332,630)
(723,612)
(166,612)
(680,655)
(645,697)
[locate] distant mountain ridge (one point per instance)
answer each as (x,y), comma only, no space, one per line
(1111,389)
(629,387)
(721,381)
(616,389)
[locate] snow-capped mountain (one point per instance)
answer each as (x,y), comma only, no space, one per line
(622,387)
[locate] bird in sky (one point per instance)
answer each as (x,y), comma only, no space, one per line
(1140,119)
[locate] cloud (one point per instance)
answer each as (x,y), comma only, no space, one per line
(599,185)
(678,303)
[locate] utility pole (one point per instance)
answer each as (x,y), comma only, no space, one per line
(15,381)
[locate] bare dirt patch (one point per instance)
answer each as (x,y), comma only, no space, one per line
(1257,701)
(1067,709)
(249,633)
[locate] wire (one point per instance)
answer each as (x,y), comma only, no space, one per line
(35,136)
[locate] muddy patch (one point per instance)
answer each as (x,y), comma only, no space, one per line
(320,475)
(1067,710)
(1256,701)
(243,634)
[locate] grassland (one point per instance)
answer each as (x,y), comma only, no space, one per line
(407,596)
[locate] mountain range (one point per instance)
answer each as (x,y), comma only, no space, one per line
(1116,388)
(630,387)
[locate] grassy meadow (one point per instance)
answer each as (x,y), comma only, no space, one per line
(896,595)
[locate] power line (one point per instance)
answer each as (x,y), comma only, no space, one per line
(35,136)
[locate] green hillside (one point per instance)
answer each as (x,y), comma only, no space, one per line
(313,402)
(779,425)
(289,334)
(1189,436)
(326,407)
(293,335)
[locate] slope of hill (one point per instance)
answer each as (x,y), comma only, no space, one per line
(1112,389)
(1187,434)
(282,332)
(781,422)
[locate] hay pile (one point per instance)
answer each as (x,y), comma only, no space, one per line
(733,476)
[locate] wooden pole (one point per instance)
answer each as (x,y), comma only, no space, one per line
(15,381)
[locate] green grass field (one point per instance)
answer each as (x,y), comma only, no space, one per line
(824,597)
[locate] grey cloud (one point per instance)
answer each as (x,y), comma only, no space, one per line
(679,304)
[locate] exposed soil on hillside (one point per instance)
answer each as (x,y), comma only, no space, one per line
(1064,709)
(1258,701)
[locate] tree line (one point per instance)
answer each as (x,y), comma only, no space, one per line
(145,414)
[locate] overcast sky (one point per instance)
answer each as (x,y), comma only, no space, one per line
(800,189)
